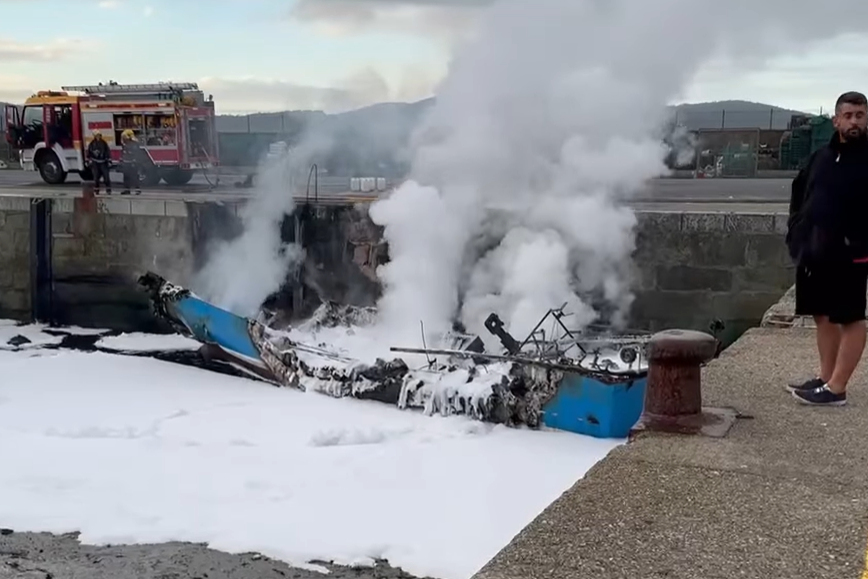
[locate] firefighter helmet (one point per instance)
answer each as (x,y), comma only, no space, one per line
(128,134)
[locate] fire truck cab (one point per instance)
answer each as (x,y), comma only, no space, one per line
(173,123)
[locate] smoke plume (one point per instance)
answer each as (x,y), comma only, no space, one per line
(546,122)
(241,273)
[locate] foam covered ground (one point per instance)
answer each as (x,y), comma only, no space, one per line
(140,342)
(131,449)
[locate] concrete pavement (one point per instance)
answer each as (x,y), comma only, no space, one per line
(224,179)
(346,197)
(337,194)
(711,206)
(658,190)
(784,495)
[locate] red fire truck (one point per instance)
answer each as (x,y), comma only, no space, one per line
(173,123)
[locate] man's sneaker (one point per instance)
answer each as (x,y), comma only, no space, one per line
(807,385)
(821,396)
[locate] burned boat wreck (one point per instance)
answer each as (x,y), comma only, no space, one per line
(589,382)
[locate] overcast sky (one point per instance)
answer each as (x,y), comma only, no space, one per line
(263,55)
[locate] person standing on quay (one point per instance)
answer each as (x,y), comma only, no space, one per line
(132,162)
(827,237)
(99,158)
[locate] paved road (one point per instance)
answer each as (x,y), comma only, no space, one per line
(12,178)
(713,206)
(658,190)
(717,190)
(231,195)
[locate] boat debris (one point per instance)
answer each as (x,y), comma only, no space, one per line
(527,383)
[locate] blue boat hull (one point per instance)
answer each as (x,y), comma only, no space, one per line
(215,326)
(603,409)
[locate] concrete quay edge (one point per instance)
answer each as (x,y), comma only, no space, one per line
(720,220)
(160,204)
(783,495)
(674,216)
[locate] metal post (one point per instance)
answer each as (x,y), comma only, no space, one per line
(41,272)
(298,286)
(673,395)
(674,382)
(756,151)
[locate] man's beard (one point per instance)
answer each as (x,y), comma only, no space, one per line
(855,134)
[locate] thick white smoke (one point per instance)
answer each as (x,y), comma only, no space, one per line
(241,273)
(545,123)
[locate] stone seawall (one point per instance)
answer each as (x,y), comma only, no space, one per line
(691,267)
(97,254)
(100,247)
(14,259)
(694,267)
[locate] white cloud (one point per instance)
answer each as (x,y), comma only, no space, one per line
(449,19)
(809,77)
(14,89)
(363,88)
(147,11)
(244,95)
(61,48)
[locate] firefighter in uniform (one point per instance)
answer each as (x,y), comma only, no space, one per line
(99,159)
(132,157)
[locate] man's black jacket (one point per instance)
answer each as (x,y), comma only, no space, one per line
(828,220)
(98,151)
(134,154)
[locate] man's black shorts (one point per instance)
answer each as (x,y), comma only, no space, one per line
(835,291)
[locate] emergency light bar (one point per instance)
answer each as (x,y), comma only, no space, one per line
(133,88)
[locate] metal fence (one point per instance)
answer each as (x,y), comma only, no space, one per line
(728,152)
(697,117)
(694,117)
(5,149)
(267,123)
(244,138)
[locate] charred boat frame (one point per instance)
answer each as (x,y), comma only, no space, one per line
(588,383)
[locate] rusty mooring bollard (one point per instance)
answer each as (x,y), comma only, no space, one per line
(673,394)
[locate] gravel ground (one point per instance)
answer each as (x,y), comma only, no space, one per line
(47,556)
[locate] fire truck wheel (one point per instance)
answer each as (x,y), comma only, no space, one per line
(149,177)
(177,177)
(50,169)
